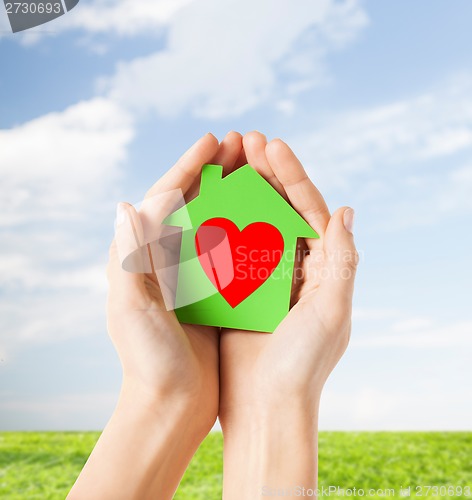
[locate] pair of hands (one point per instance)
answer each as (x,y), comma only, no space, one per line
(244,377)
(234,369)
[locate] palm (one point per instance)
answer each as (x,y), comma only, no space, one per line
(185,355)
(158,354)
(255,364)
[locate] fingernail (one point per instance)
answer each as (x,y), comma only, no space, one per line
(348,219)
(120,213)
(233,132)
(260,133)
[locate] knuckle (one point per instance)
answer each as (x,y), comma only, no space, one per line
(351,259)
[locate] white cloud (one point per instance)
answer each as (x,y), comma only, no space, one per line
(50,167)
(402,164)
(122,17)
(51,316)
(364,407)
(47,299)
(400,135)
(61,412)
(455,194)
(220,59)
(457,335)
(366,314)
(4,24)
(58,177)
(408,325)
(396,370)
(21,271)
(223,59)
(373,408)
(433,195)
(386,328)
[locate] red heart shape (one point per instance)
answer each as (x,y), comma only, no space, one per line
(238,262)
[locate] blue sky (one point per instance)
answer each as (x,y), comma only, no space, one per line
(375,97)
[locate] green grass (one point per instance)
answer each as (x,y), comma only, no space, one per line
(44,465)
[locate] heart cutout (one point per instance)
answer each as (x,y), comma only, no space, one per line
(238,262)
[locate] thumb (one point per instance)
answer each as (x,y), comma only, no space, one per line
(340,257)
(128,258)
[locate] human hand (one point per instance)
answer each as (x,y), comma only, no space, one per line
(270,384)
(161,358)
(169,396)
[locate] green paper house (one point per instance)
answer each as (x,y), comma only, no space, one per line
(246,199)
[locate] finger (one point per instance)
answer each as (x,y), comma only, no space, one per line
(228,151)
(192,191)
(128,259)
(254,145)
(241,161)
(227,156)
(302,193)
(166,195)
(188,167)
(341,257)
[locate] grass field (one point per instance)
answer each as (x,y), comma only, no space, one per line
(44,465)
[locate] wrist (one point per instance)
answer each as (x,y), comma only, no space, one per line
(260,411)
(270,448)
(190,411)
(263,424)
(148,438)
